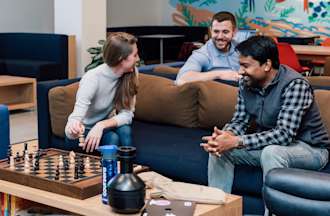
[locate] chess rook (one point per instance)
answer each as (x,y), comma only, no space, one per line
(81,140)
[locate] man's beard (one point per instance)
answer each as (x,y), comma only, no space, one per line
(250,82)
(225,44)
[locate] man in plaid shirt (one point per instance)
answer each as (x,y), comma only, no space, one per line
(289,132)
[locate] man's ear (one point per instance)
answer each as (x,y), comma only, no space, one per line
(268,65)
(235,32)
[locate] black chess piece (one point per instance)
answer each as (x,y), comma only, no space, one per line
(66,164)
(76,174)
(25,148)
(36,165)
(9,154)
(57,173)
(18,158)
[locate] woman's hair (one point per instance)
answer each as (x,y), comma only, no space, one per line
(119,46)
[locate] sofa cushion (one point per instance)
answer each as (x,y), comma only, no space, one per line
(322,99)
(160,101)
(166,69)
(216,103)
(318,81)
(61,103)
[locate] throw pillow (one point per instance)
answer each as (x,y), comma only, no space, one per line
(61,103)
(216,104)
(166,69)
(160,101)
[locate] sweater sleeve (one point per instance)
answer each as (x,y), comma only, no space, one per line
(85,93)
(125,116)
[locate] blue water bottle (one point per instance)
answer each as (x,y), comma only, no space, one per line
(109,168)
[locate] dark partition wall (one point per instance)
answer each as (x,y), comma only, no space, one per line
(149,48)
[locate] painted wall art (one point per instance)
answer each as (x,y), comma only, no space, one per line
(291,18)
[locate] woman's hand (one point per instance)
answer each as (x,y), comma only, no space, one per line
(93,138)
(75,128)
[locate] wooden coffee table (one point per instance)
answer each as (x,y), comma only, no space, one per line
(17,92)
(94,206)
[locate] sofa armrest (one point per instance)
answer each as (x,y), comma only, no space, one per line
(4,131)
(290,191)
(327,67)
(44,126)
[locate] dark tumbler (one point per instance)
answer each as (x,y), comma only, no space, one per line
(126,191)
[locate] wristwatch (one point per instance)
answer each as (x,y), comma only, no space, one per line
(240,143)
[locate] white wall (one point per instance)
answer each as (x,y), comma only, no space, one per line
(27,16)
(86,19)
(134,12)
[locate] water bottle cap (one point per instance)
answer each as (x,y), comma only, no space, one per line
(108,150)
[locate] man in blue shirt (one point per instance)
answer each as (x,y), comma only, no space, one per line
(217,59)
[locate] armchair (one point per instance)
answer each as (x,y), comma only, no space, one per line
(4,130)
(297,192)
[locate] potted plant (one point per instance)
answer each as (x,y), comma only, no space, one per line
(97,58)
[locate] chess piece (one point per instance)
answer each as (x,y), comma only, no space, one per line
(9,154)
(60,161)
(81,140)
(82,137)
(26,166)
(36,165)
(76,174)
(11,163)
(57,173)
(87,163)
(18,158)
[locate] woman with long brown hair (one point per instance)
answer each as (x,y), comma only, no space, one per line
(105,99)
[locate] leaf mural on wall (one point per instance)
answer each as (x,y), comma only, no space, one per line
(192,16)
(270,6)
(252,5)
(273,17)
(319,12)
(241,14)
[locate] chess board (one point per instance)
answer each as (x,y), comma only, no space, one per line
(86,185)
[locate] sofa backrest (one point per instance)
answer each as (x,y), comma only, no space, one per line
(323,100)
(198,104)
(34,46)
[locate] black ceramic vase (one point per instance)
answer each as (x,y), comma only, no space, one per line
(126,190)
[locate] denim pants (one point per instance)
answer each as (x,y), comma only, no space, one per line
(120,136)
(296,155)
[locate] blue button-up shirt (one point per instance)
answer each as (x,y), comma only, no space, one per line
(209,58)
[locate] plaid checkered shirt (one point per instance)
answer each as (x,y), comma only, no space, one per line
(297,98)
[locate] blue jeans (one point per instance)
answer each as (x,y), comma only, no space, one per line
(296,155)
(120,136)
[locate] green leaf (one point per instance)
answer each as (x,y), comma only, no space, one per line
(287,11)
(270,6)
(101,42)
(94,50)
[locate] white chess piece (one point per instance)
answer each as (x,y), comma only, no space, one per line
(26,166)
(12,163)
(87,163)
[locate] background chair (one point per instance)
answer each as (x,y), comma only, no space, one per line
(4,131)
(319,64)
(289,57)
(297,192)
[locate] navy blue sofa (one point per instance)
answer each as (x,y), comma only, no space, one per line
(36,55)
(4,131)
(171,150)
